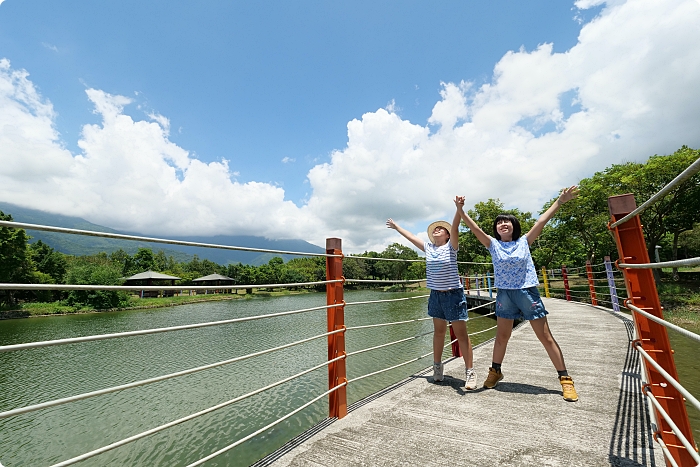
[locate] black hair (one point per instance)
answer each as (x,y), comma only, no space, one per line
(513,220)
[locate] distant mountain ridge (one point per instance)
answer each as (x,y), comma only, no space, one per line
(84,245)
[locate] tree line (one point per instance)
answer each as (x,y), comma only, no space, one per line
(577,233)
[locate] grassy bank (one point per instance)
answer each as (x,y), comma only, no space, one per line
(27,310)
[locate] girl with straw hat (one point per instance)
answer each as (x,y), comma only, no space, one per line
(447,301)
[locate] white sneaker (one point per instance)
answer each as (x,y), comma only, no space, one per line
(470,382)
(438,369)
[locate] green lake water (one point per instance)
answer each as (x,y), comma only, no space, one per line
(55,434)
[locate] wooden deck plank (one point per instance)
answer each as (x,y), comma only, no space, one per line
(524,421)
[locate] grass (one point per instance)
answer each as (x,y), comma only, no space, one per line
(29,309)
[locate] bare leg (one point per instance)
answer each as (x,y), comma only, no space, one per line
(465,345)
(503,330)
(541,328)
(440,326)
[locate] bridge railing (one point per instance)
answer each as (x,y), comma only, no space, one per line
(335,335)
(662,386)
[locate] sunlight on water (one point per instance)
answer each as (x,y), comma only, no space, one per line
(52,435)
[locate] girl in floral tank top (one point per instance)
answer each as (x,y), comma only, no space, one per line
(516,280)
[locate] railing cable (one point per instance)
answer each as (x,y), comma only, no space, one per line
(387,300)
(666,264)
(73,340)
(689,397)
(691,170)
(195,415)
(663,322)
(676,431)
(7,286)
(268,426)
(44,405)
(90,233)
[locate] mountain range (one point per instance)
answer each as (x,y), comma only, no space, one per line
(85,245)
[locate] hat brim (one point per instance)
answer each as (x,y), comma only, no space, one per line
(432,226)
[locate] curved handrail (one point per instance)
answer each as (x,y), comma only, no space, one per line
(91,233)
(691,170)
(74,340)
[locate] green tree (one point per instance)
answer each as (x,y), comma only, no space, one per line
(95,270)
(48,261)
(15,258)
(144,260)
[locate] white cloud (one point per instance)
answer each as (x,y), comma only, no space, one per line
(46,44)
(286,160)
(627,90)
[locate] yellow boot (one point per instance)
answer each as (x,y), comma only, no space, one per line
(567,388)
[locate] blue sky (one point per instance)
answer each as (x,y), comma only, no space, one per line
(271,88)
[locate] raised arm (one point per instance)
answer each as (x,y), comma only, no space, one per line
(454,232)
(480,234)
(409,236)
(567,194)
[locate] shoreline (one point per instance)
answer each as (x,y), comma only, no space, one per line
(62,310)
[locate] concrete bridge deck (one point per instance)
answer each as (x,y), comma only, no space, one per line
(524,421)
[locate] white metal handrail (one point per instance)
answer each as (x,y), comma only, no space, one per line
(7,286)
(676,431)
(691,170)
(385,281)
(267,427)
(663,322)
(387,300)
(195,415)
(689,397)
(91,233)
(73,340)
(666,264)
(350,328)
(356,352)
(44,405)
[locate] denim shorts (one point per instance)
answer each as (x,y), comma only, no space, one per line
(450,305)
(520,304)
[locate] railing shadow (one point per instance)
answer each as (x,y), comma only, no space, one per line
(631,443)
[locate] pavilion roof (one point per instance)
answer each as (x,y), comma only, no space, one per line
(150,275)
(213,277)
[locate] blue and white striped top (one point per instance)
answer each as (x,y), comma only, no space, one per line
(441,267)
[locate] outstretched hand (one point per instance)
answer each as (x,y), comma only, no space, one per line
(391,224)
(459,201)
(568,194)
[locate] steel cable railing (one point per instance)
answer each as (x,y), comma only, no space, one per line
(195,415)
(45,405)
(682,177)
(268,426)
(677,431)
(6,286)
(73,340)
(90,233)
(650,326)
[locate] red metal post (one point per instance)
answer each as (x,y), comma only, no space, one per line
(337,400)
(566,283)
(591,284)
(641,288)
(456,352)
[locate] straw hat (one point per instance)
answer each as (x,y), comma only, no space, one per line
(432,226)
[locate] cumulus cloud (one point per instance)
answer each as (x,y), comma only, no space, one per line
(286,160)
(626,90)
(545,120)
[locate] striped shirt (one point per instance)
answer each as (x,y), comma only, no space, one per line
(441,267)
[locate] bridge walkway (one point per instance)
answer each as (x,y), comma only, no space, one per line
(524,421)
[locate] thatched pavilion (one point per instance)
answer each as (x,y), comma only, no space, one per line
(152,278)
